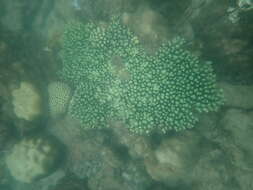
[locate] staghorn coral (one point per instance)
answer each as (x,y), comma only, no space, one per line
(115,79)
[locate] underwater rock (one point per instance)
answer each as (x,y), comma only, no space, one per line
(59,95)
(138,146)
(244,179)
(70,182)
(230,164)
(3,48)
(4,177)
(106,178)
(127,175)
(11,15)
(5,135)
(27,101)
(5,97)
(50,19)
(96,156)
(46,183)
(84,149)
(173,160)
(238,144)
(135,177)
(238,96)
(239,124)
(106,182)
(32,158)
(211,172)
(149,25)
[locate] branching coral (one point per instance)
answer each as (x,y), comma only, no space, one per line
(115,79)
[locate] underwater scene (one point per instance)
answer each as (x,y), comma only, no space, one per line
(126,95)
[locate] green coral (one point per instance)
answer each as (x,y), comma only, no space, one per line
(115,79)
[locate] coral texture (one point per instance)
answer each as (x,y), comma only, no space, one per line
(27,102)
(59,95)
(31,159)
(115,79)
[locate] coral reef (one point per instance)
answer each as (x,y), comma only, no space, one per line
(59,95)
(115,79)
(27,101)
(32,158)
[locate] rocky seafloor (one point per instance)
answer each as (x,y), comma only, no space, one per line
(215,155)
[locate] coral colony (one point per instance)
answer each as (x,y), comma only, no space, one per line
(115,79)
